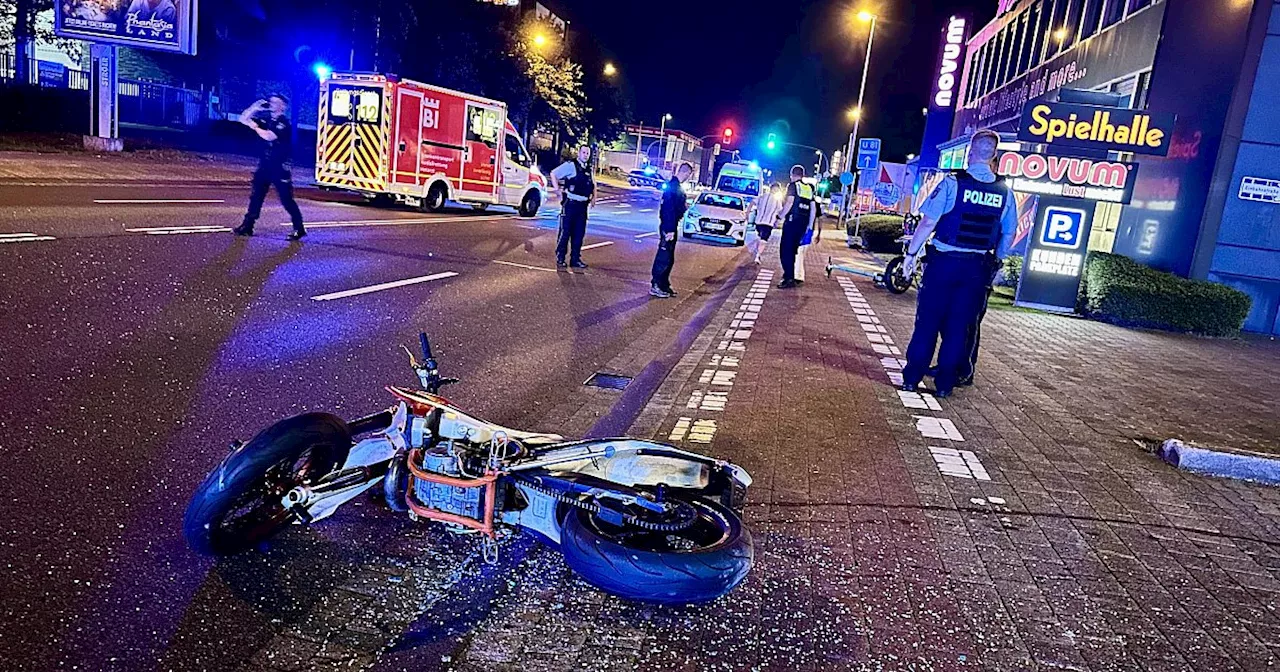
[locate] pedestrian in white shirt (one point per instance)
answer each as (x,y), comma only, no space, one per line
(767,218)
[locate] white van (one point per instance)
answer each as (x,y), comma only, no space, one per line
(744,179)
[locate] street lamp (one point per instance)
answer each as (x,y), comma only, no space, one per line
(662,138)
(539,40)
(855,113)
(609,70)
(865,17)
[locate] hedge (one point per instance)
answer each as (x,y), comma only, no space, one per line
(880,232)
(1012,271)
(1121,291)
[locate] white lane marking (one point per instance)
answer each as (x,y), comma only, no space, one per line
(386,285)
(937,428)
(155,201)
(646,209)
(395,222)
(23,238)
(593,246)
(886,349)
(532,268)
(622,205)
(961,464)
(918,400)
(165,230)
(646,235)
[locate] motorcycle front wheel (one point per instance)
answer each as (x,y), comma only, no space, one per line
(238,506)
(894,280)
(697,564)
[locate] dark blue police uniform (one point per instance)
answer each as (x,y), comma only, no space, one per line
(573,215)
(795,222)
(953,290)
(273,171)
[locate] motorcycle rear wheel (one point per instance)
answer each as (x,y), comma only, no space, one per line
(698,564)
(238,505)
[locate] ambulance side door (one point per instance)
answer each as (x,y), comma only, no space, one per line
(480,155)
(515,170)
(408,142)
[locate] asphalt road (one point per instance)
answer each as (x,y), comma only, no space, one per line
(140,338)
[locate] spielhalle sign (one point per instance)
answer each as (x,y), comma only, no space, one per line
(1090,127)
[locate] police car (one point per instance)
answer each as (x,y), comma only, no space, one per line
(717,215)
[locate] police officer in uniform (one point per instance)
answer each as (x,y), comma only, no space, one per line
(799,214)
(572,180)
(267,119)
(973,218)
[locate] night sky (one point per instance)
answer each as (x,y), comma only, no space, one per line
(792,68)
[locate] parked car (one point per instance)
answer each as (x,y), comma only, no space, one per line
(717,215)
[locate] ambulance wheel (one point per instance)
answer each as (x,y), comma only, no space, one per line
(436,197)
(529,206)
(739,243)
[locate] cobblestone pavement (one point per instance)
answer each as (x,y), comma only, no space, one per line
(1020,525)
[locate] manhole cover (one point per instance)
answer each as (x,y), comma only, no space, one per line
(608,381)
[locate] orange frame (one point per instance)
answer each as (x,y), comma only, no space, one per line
(489,480)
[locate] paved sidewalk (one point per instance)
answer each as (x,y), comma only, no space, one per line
(146,168)
(1016,526)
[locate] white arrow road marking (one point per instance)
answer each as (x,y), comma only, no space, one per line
(386,285)
(532,268)
(646,235)
(593,246)
(23,238)
(155,201)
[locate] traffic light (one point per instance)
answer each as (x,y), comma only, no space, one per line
(772,142)
(727,136)
(824,186)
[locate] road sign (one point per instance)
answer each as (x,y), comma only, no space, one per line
(1260,189)
(846,178)
(868,153)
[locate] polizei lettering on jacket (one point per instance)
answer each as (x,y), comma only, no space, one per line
(989,199)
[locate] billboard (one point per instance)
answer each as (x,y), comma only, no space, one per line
(163,25)
(1055,256)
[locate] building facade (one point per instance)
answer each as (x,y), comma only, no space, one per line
(1214,65)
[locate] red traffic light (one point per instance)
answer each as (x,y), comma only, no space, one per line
(728,134)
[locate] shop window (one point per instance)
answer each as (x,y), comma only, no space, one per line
(1037,28)
(1074,18)
(1142,91)
(1028,38)
(1135,5)
(1113,12)
(1016,28)
(997,57)
(1052,44)
(1092,15)
(973,67)
(1125,90)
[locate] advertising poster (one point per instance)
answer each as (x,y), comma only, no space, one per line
(1055,255)
(163,25)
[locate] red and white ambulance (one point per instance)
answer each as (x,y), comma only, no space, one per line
(384,136)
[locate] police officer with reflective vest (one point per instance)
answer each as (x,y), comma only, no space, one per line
(973,218)
(572,180)
(799,213)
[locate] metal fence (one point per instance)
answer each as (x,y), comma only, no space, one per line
(142,103)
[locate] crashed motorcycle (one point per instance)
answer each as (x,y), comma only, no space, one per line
(642,520)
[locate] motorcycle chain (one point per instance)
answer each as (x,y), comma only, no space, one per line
(686,521)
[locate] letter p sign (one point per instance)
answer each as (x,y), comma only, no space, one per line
(1062,228)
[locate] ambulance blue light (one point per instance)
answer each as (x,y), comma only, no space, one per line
(322,70)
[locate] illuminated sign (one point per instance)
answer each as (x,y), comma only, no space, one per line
(1055,256)
(1114,129)
(1006,6)
(1074,177)
(948,70)
(163,25)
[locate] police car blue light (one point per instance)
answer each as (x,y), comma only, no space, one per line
(1062,227)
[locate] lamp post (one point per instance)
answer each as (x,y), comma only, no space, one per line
(662,133)
(865,17)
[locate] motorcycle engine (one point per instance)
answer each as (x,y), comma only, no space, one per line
(448,498)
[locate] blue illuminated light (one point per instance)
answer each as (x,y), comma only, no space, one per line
(755,165)
(322,70)
(649,170)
